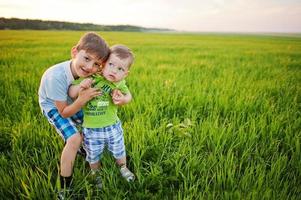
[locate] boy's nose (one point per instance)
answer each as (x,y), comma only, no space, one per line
(114,70)
(89,66)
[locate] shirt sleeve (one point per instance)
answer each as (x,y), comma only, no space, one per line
(56,89)
(77,81)
(123,88)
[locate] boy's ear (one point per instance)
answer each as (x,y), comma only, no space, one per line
(126,74)
(73,52)
(99,70)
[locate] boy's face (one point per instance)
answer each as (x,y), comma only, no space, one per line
(115,69)
(84,64)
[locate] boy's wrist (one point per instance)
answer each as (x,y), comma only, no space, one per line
(79,102)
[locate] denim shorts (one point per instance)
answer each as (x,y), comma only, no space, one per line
(65,127)
(96,139)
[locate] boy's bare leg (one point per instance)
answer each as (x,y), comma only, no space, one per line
(69,153)
(95,166)
(121,161)
(94,172)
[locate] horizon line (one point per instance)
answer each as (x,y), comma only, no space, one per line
(169,30)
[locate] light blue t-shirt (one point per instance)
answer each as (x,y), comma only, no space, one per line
(54,85)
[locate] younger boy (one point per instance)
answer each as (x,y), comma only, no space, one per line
(101,124)
(87,56)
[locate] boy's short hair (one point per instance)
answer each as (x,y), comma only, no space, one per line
(123,52)
(94,44)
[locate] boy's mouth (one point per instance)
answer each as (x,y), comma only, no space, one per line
(85,71)
(112,76)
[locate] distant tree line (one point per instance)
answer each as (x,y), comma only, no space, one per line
(17,24)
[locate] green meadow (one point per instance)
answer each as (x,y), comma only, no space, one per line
(213,116)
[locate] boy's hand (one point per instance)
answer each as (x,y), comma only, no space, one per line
(119,99)
(86,95)
(86,83)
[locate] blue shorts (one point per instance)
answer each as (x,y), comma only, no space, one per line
(95,140)
(66,127)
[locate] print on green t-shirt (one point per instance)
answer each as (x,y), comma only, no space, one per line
(101,111)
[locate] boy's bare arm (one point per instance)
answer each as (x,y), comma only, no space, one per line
(121,99)
(73,91)
(84,96)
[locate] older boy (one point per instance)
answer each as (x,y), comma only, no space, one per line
(87,56)
(101,124)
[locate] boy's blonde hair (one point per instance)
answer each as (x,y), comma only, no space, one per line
(123,52)
(94,44)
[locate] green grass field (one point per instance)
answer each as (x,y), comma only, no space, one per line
(213,116)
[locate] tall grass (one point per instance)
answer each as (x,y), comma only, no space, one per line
(213,117)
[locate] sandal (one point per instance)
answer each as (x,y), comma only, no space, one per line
(127,174)
(96,179)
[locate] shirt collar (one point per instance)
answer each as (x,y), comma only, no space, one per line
(68,71)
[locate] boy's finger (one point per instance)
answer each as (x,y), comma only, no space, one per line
(95,89)
(96,92)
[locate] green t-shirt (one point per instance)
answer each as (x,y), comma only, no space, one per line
(101,111)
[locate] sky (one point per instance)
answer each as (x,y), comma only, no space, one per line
(181,15)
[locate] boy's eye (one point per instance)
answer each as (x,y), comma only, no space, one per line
(87,59)
(111,65)
(120,69)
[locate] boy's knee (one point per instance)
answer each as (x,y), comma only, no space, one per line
(74,141)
